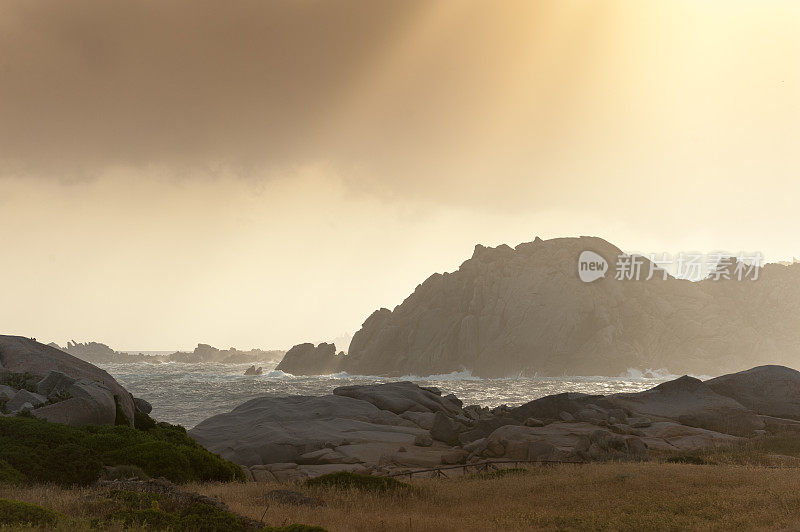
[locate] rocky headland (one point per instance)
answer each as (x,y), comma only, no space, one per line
(399,426)
(524,311)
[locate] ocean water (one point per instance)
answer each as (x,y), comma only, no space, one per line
(189,393)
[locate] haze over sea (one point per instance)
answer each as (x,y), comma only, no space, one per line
(187,393)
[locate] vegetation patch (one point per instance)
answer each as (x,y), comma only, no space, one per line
(694,459)
(15,513)
(19,381)
(775,449)
(159,511)
(347,480)
(50,452)
(120,418)
(500,473)
(9,475)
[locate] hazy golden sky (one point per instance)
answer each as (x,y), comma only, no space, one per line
(266,173)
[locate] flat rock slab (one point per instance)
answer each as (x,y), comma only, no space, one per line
(271,430)
(399,397)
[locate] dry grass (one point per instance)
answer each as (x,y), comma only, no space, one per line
(623,496)
(594,496)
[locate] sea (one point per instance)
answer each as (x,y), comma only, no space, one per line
(186,394)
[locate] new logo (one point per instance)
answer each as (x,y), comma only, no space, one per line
(591,266)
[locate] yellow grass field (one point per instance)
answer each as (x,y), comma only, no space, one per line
(619,496)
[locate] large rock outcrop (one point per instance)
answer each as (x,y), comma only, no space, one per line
(766,390)
(691,402)
(67,390)
(524,310)
(400,426)
(305,359)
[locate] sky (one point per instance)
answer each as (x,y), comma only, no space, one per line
(261,174)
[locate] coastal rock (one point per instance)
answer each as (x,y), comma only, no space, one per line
(252,370)
(89,403)
(305,359)
(400,397)
(555,441)
(208,353)
(379,428)
(423,420)
(423,440)
(23,397)
(670,436)
(443,429)
(767,390)
(691,402)
(22,355)
(7,392)
(551,407)
(54,383)
(271,430)
(142,406)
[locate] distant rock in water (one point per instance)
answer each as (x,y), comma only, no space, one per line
(207,353)
(252,370)
(98,353)
(305,359)
(525,311)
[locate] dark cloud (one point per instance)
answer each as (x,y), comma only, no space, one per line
(91,84)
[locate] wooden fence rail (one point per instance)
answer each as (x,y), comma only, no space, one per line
(486,465)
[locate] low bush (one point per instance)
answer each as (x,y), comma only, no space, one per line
(19,381)
(15,513)
(51,452)
(347,480)
(143,422)
(159,512)
(9,475)
(500,473)
(687,459)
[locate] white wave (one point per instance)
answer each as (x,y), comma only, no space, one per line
(463,375)
(278,374)
(647,374)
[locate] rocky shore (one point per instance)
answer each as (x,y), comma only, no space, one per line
(388,428)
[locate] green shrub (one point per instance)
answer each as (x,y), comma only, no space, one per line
(71,464)
(51,452)
(500,473)
(143,422)
(21,513)
(9,475)
(20,381)
(347,480)
(160,512)
(157,458)
(687,459)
